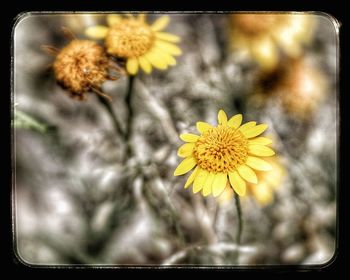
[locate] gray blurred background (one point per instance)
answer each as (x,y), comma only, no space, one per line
(76,201)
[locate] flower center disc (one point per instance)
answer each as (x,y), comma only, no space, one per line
(221,149)
(256,24)
(129,38)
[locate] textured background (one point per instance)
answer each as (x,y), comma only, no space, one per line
(76,202)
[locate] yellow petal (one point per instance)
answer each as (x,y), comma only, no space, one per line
(185,150)
(226,195)
(258,164)
(132,66)
(246,126)
(113,19)
(262,193)
(169,59)
(260,141)
(186,165)
(168,47)
(254,131)
(265,52)
(191,177)
(96,32)
(222,117)
(237,183)
(160,23)
(168,37)
(203,127)
(208,184)
(200,180)
(260,150)
(247,174)
(189,137)
(156,60)
(219,183)
(235,121)
(145,64)
(288,40)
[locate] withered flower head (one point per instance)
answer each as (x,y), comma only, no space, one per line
(80,67)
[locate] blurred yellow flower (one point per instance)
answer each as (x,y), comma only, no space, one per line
(224,155)
(262,36)
(263,191)
(142,45)
(301,88)
(77,23)
(297,84)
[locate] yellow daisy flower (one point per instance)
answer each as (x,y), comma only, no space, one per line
(224,155)
(142,45)
(262,36)
(263,191)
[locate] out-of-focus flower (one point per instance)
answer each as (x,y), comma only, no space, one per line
(80,67)
(263,36)
(263,192)
(268,182)
(298,84)
(79,22)
(302,88)
(140,44)
(224,155)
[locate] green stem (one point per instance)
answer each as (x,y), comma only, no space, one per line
(108,106)
(22,120)
(129,121)
(240,224)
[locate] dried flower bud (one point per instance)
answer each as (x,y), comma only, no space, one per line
(80,67)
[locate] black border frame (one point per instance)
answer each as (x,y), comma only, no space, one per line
(133,5)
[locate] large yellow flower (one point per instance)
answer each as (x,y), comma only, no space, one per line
(140,44)
(224,155)
(262,36)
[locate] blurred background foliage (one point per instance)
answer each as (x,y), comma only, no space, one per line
(77,202)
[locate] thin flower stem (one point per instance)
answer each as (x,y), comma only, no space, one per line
(108,106)
(26,121)
(240,225)
(128,102)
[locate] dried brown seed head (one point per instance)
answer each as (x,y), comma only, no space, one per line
(81,66)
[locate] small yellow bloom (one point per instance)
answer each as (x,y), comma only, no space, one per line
(226,155)
(140,44)
(262,36)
